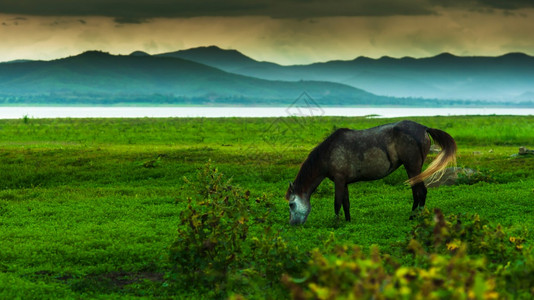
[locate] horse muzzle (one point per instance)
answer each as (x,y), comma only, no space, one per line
(296,218)
(298,211)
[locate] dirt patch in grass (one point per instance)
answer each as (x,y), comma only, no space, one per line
(110,282)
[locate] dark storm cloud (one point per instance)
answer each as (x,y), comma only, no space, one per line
(485,4)
(14,21)
(138,11)
(135,10)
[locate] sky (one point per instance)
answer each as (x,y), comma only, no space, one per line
(281,31)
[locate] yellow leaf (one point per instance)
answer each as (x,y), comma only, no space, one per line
(321,292)
(491,295)
(471,295)
(452,246)
(405,291)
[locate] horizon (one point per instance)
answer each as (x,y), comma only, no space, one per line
(244,54)
(282,31)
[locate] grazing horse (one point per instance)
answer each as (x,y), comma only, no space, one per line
(348,156)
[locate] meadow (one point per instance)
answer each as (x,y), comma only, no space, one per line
(93,207)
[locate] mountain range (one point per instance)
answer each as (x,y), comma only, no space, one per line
(100,78)
(213,76)
(507,78)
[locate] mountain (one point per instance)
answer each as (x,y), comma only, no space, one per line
(139,53)
(16,61)
(527,96)
(210,75)
(96,77)
(228,60)
(444,76)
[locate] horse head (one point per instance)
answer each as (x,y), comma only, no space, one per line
(299,206)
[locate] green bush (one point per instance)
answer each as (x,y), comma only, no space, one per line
(455,257)
(215,248)
(348,273)
(212,229)
(505,255)
(439,234)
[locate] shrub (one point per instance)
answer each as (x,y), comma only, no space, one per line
(211,230)
(506,256)
(215,248)
(455,257)
(439,234)
(350,274)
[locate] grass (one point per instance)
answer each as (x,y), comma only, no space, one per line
(89,207)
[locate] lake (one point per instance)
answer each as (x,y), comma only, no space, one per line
(215,112)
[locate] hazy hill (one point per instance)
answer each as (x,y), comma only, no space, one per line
(228,60)
(506,78)
(97,77)
(210,75)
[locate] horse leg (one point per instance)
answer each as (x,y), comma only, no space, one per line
(346,203)
(418,190)
(339,196)
(419,195)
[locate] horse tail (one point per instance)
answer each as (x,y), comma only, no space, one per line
(445,157)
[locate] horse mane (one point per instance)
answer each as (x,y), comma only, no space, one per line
(313,162)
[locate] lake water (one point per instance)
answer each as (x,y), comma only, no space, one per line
(214,112)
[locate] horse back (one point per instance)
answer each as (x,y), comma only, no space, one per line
(370,154)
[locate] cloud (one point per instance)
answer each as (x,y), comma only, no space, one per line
(485,4)
(286,38)
(140,11)
(131,20)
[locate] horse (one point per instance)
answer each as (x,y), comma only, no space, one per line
(348,156)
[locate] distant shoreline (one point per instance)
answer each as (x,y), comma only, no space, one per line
(20,112)
(468,104)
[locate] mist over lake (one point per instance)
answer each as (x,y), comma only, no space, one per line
(216,112)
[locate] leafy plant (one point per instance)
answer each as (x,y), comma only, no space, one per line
(215,247)
(456,257)
(212,229)
(348,273)
(505,255)
(436,233)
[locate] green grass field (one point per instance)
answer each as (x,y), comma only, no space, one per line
(90,207)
